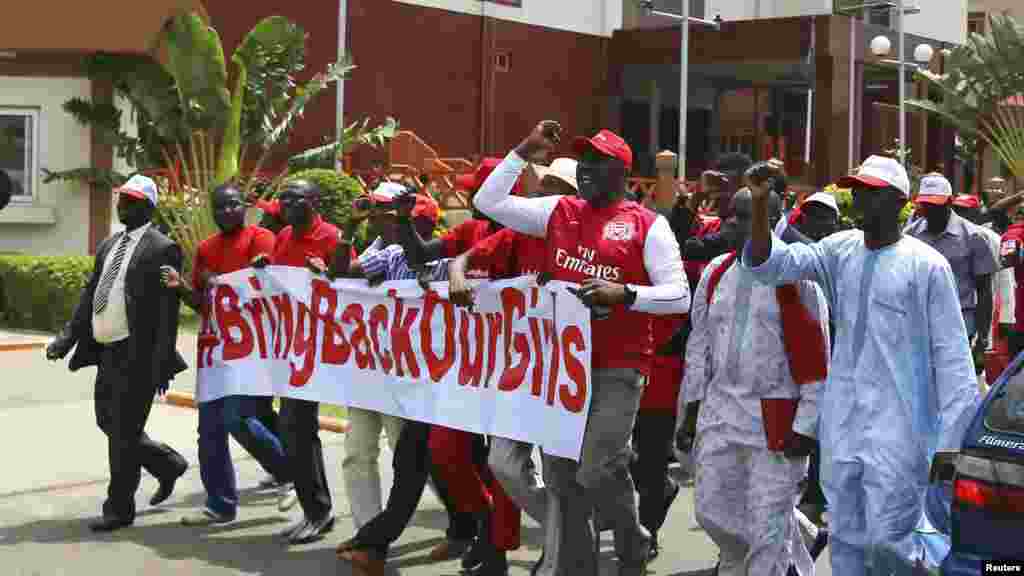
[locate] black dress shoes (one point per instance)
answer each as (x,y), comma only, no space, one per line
(109,524)
(165,490)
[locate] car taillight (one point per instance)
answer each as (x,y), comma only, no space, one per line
(983,495)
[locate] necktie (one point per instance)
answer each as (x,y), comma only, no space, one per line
(102,296)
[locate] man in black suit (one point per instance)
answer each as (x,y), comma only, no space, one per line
(126,324)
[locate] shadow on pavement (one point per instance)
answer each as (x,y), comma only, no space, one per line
(216,545)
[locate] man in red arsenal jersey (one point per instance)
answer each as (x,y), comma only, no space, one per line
(243,417)
(307,241)
(627,261)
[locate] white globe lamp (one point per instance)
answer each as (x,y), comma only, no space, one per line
(880,46)
(923,53)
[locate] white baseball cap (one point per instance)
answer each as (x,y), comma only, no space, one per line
(879,172)
(139,186)
(935,189)
(823,198)
(562,168)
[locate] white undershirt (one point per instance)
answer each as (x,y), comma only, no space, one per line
(670,293)
(111,325)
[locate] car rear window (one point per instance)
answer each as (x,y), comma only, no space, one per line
(1006,412)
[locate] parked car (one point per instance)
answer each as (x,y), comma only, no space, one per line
(986,518)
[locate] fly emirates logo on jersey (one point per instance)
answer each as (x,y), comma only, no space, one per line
(583,261)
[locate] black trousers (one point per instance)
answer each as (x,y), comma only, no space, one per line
(123,399)
(653,433)
(412,466)
(301,427)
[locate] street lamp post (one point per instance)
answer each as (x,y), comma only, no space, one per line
(901,11)
(684,65)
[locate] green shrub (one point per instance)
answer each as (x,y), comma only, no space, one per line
(41,292)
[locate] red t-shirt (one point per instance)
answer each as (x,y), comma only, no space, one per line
(460,239)
(1011,245)
(319,242)
(606,243)
(226,253)
(508,254)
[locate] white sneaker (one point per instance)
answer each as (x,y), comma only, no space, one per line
(293,528)
(288,498)
(269,481)
(206,517)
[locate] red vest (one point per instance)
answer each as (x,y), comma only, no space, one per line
(802,338)
(605,243)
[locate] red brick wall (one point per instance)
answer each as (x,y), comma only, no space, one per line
(424,67)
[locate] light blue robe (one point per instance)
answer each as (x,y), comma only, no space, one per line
(901,385)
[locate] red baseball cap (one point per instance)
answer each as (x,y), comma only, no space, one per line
(605,142)
(967,201)
(476,179)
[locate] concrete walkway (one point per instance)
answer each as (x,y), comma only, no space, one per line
(55,475)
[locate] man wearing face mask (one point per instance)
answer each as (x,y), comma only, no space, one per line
(307,241)
(967,249)
(756,358)
(901,383)
(126,324)
(233,249)
(627,261)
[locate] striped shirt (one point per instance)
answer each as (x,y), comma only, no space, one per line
(390,263)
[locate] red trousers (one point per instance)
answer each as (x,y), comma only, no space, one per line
(472,487)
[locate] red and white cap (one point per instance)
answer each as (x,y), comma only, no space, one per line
(825,199)
(139,186)
(425,207)
(879,172)
(967,201)
(605,142)
(935,189)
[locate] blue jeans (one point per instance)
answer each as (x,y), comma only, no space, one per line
(239,417)
(215,466)
(247,420)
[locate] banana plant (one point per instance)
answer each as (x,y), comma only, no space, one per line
(982,93)
(258,110)
(353,135)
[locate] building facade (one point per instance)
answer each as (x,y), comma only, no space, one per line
(472,77)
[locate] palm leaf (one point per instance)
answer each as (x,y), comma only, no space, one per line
(974,96)
(196,62)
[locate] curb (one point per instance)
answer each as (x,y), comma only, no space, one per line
(186,400)
(20,346)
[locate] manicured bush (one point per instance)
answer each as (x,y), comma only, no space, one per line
(339,190)
(41,292)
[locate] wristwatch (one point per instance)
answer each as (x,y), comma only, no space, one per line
(630,296)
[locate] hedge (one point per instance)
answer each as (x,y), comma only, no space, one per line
(41,292)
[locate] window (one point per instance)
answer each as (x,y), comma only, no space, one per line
(976,23)
(1006,412)
(19,138)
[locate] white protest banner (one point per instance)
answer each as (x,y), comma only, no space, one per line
(516,366)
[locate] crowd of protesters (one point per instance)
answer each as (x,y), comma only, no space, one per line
(803,374)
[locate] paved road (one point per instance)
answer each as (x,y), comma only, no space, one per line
(54,480)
